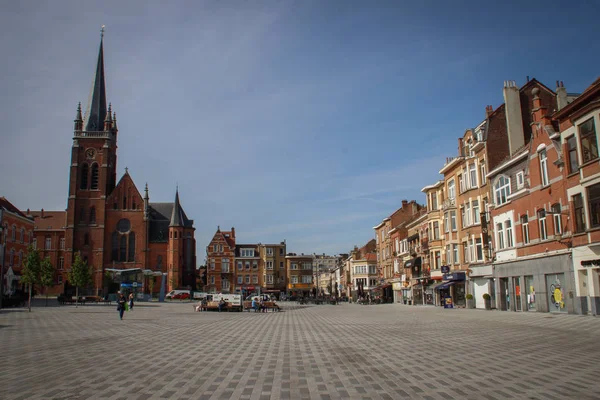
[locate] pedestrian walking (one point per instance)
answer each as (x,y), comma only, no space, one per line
(222,304)
(121,301)
(130,301)
(254,304)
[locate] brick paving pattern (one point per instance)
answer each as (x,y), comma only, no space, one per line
(166,351)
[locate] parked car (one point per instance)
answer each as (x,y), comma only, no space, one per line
(181,296)
(264,297)
(171,295)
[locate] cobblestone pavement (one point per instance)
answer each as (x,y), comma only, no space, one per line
(162,351)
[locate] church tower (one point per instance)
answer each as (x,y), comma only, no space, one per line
(175,250)
(92,175)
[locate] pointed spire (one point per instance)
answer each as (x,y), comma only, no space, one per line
(146,197)
(114,120)
(176,219)
(78,119)
(96,111)
(146,202)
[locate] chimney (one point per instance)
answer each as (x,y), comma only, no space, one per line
(514,119)
(404,203)
(42,213)
(561,95)
(28,212)
(488,110)
(232,232)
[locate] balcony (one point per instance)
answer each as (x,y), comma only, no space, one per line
(449,203)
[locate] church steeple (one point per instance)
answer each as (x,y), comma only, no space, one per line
(96,111)
(176,219)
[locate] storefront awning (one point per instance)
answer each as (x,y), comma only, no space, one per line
(415,262)
(444,285)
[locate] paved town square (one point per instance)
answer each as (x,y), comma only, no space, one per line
(303,352)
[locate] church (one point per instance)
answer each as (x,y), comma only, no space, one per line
(109,222)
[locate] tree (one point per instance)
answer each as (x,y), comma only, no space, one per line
(79,275)
(30,274)
(46,275)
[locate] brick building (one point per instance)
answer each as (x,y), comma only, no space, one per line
(220,262)
(108,221)
(16,234)
(578,122)
(299,274)
(363,269)
(532,266)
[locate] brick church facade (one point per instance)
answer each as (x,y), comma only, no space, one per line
(110,222)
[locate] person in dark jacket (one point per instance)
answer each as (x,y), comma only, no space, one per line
(121,300)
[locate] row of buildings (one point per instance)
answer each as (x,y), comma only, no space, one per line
(515,213)
(233,267)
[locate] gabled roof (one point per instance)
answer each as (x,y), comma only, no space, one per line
(126,178)
(8,206)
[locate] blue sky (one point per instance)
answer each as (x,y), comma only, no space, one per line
(308,121)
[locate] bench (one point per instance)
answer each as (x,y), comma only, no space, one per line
(267,305)
(214,305)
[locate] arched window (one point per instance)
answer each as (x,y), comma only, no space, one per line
(124,202)
(123,249)
(131,247)
(84,177)
(13,234)
(22,235)
(175,235)
(11,258)
(94,184)
(114,246)
(86,239)
(82,215)
(34,243)
(501,190)
(133,205)
(20,259)
(92,215)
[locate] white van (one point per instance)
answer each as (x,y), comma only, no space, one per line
(234,299)
(264,297)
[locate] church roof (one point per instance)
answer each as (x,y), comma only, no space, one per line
(160,220)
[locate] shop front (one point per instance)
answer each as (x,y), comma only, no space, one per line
(397,287)
(543,284)
(455,288)
(586,262)
(481,281)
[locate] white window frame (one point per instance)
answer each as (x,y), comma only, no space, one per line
(479,249)
(294,279)
(269,278)
(475,211)
(543,156)
(48,243)
(254,279)
(556,216)
(269,251)
(525,229)
(543,228)
(453,220)
(455,256)
(451,189)
(520,180)
(509,233)
(225,265)
(501,192)
(482,171)
(473,175)
(61,263)
(500,235)
(269,265)
(240,279)
(247,279)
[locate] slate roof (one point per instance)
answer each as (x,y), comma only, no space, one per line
(160,218)
(51,220)
(8,206)
(96,111)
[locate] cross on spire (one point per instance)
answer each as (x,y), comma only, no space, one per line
(102,31)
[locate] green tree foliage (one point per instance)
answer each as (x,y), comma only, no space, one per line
(46,275)
(30,274)
(79,275)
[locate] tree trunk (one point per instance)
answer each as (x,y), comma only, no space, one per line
(76,295)
(30,297)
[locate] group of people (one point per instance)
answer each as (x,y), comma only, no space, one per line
(258,305)
(123,304)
